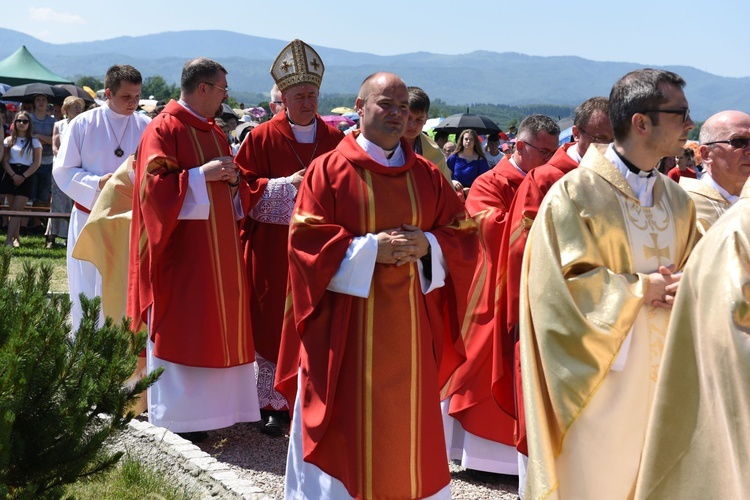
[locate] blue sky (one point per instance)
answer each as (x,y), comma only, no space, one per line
(711,36)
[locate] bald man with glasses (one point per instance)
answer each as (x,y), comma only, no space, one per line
(725,149)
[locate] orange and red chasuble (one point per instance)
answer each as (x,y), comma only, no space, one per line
(371,368)
(506,365)
(189,272)
(271,151)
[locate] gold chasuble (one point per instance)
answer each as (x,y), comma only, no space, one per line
(583,280)
(371,368)
(709,203)
(104,240)
(698,440)
(188,272)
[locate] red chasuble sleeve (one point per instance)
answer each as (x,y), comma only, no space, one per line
(270,151)
(506,368)
(470,389)
(189,273)
(371,368)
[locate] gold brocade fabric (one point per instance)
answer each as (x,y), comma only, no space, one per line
(582,293)
(709,203)
(698,440)
(104,239)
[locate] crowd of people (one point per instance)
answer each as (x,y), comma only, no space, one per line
(570,314)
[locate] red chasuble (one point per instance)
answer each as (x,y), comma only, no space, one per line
(470,389)
(371,368)
(271,151)
(190,272)
(506,365)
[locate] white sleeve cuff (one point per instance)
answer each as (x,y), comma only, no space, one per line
(354,276)
(438,267)
(196,205)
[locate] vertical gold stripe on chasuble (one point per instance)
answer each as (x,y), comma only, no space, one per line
(239,275)
(215,264)
(415,396)
(368,347)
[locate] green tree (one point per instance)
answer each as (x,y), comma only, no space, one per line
(156,86)
(90,81)
(60,398)
(694,133)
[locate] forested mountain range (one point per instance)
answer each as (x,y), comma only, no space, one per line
(473,79)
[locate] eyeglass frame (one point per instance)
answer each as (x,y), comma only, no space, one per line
(223,89)
(22,121)
(597,138)
(685,112)
(543,152)
(746,140)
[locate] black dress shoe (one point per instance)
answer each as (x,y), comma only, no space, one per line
(270,423)
(194,437)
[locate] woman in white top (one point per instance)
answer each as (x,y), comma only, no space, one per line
(21,157)
(72,107)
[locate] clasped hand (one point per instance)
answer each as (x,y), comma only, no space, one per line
(662,287)
(401,246)
(221,169)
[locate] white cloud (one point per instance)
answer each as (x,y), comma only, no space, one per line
(49,15)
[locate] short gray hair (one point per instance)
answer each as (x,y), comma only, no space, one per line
(533,124)
(199,70)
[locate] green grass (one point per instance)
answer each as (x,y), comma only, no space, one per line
(33,251)
(130,480)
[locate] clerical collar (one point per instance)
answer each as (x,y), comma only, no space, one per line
(192,111)
(515,165)
(388,158)
(637,171)
(304,134)
(731,198)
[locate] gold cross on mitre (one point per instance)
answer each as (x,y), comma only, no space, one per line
(314,63)
(656,250)
(285,66)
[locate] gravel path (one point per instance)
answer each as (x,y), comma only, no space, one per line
(262,460)
(241,462)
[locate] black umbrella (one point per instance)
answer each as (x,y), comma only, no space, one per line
(27,91)
(74,91)
(454,124)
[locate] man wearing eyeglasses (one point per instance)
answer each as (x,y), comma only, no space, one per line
(725,149)
(273,159)
(477,431)
(275,104)
(598,281)
(186,279)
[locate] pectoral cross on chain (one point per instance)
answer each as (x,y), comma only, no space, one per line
(656,250)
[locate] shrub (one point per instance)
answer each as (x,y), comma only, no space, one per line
(60,397)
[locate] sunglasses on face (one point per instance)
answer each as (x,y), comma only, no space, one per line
(685,112)
(736,143)
(22,121)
